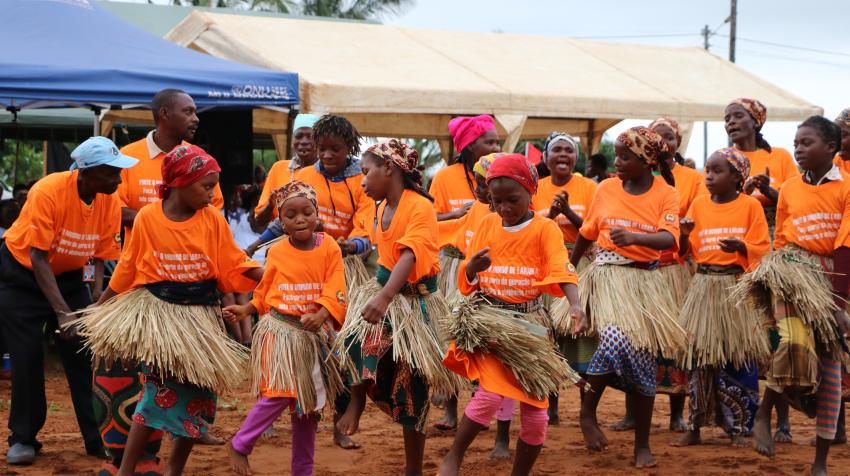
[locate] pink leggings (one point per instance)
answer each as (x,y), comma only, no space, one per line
(264,413)
(533,420)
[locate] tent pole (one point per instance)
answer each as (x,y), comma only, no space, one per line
(290,119)
(96,123)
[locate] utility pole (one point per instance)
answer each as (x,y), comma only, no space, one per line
(705,34)
(733,27)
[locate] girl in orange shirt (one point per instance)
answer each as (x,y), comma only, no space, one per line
(842,158)
(565,197)
(161,308)
(632,219)
(390,340)
(519,256)
(727,234)
(803,286)
(302,291)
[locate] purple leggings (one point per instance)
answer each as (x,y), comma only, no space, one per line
(261,417)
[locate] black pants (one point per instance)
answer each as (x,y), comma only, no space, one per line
(25,315)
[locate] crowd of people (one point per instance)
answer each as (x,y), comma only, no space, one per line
(501,280)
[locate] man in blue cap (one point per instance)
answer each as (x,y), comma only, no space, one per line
(70,222)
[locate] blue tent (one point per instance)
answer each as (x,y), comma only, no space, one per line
(73,52)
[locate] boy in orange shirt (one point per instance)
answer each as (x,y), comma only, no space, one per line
(520,256)
(727,234)
(165,311)
(391,334)
(302,290)
(632,219)
(70,219)
(812,245)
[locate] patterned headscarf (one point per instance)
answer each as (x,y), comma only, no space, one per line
(737,159)
(644,142)
(555,137)
(844,117)
(483,165)
(185,165)
(402,155)
(672,124)
(755,108)
(515,167)
(294,189)
(466,130)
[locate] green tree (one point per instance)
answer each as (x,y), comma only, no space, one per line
(20,161)
(350,9)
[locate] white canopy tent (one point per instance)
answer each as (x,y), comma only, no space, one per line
(405,82)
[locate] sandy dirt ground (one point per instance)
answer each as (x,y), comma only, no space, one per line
(382,451)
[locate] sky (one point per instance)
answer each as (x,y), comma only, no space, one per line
(821,79)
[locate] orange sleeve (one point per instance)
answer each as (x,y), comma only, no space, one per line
(269,275)
(264,198)
(757,239)
(558,268)
(231,260)
(42,218)
(843,237)
(108,248)
(420,237)
(218,198)
(438,191)
(333,296)
(123,193)
(780,239)
(364,214)
(124,273)
(669,219)
(590,228)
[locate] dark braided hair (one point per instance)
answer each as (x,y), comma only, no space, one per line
(465,158)
(330,125)
(761,142)
(679,159)
(413,180)
(664,168)
(826,130)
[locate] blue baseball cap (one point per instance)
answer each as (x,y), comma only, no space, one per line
(100,151)
(304,120)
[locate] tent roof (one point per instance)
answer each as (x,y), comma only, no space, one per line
(366,68)
(73,52)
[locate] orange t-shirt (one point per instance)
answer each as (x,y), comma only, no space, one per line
(197,249)
(653,211)
(298,282)
(741,218)
(451,190)
(779,161)
(690,184)
(580,192)
(56,220)
(279,175)
(459,232)
(842,164)
(414,226)
(344,208)
(814,217)
(139,183)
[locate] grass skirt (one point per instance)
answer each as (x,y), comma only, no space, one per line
(356,274)
(532,359)
(447,279)
(284,356)
(186,343)
(638,302)
(722,331)
(414,324)
(798,278)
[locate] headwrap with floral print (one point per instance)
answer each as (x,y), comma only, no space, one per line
(294,189)
(737,159)
(844,117)
(483,165)
(755,108)
(672,124)
(402,155)
(644,142)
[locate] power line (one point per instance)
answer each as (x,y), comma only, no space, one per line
(667,35)
(791,47)
(763,54)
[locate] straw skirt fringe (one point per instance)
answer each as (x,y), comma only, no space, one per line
(636,301)
(799,278)
(678,278)
(447,279)
(417,337)
(356,274)
(532,359)
(283,358)
(722,331)
(185,342)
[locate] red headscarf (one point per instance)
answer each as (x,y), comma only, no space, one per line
(185,165)
(515,167)
(465,130)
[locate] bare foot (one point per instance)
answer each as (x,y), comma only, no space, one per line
(439,401)
(448,422)
(238,462)
(738,441)
(678,424)
(349,422)
(782,435)
(450,465)
(594,439)
(818,470)
(688,439)
(626,424)
(761,436)
(644,458)
(500,451)
(210,439)
(344,441)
